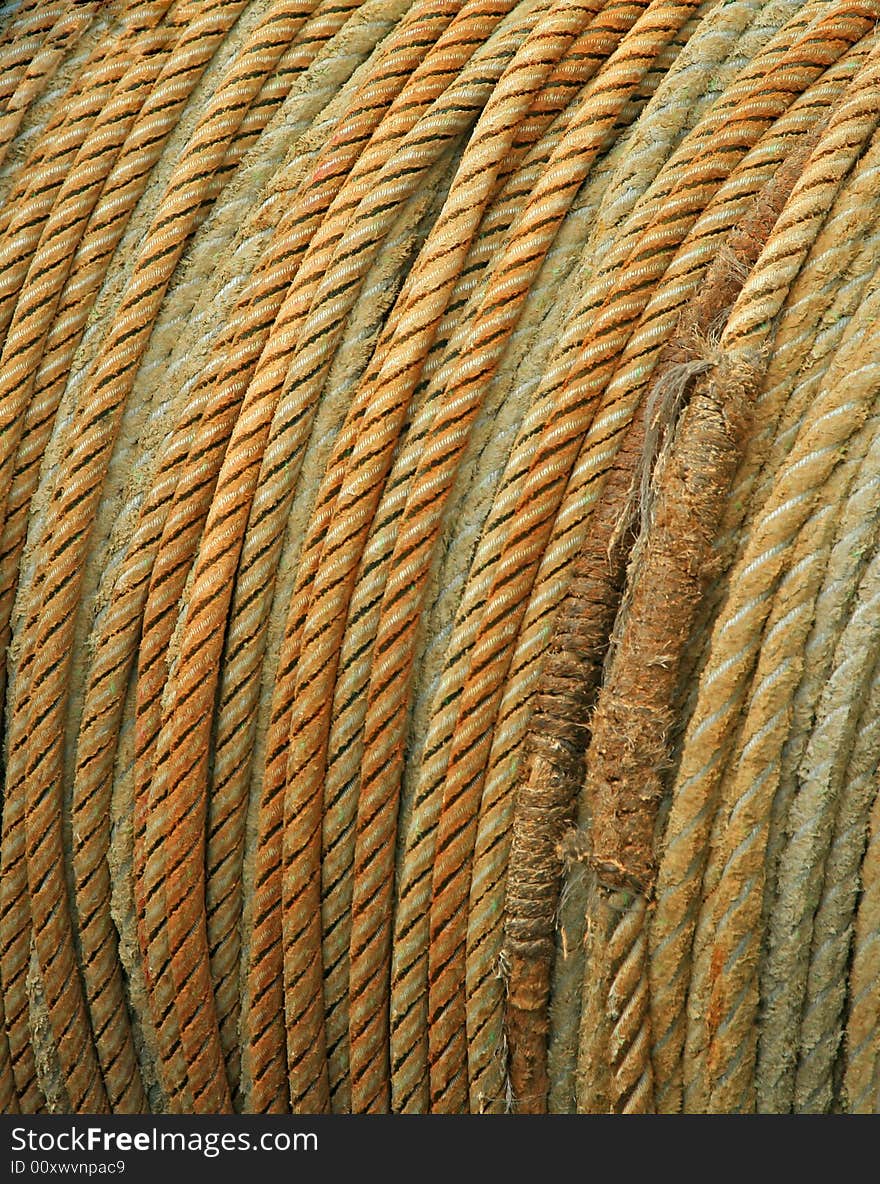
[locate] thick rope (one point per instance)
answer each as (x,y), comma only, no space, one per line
(437,555)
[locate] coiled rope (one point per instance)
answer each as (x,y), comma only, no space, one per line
(438,555)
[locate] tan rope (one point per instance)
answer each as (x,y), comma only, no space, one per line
(437,555)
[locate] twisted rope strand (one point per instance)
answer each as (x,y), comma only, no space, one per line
(437,555)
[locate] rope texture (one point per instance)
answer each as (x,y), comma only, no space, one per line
(438,556)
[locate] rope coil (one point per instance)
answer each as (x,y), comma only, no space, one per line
(437,555)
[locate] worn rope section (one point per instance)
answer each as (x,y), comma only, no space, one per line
(438,555)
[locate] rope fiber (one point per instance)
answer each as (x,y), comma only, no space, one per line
(439,604)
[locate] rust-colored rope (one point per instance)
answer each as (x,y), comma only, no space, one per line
(559,550)
(387,488)
(345,748)
(484,983)
(554,434)
(443,122)
(279,27)
(85,462)
(572,670)
(546,796)
(690,817)
(570,162)
(18,248)
(115,645)
(266,1062)
(72,22)
(372,425)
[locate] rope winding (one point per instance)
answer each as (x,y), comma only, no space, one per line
(438,555)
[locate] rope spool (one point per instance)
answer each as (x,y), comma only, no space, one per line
(438,591)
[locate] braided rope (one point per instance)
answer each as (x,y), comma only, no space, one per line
(691,813)
(571,672)
(568,164)
(40,66)
(438,555)
(821,778)
(265,1002)
(64,537)
(860,1074)
(270,40)
(115,649)
(747,822)
(822,1019)
(484,990)
(441,124)
(20,246)
(522,676)
(433,280)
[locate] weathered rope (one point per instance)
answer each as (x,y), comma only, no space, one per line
(438,546)
(574,662)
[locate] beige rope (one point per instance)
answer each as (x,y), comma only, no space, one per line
(387,487)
